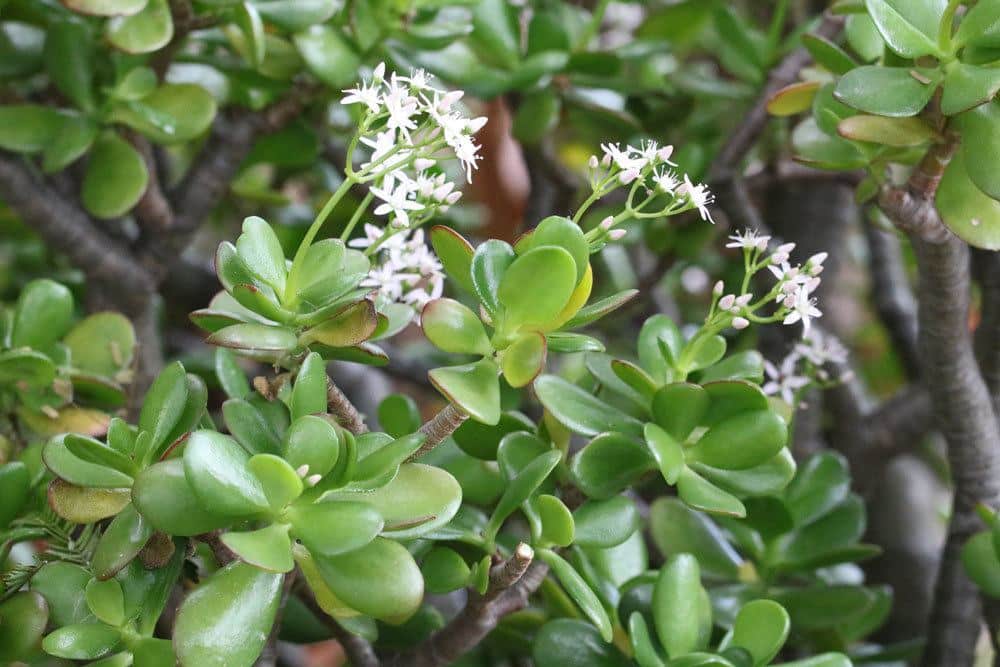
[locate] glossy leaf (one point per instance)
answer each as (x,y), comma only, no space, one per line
(163,496)
(309,391)
(488,266)
(605,523)
(900,34)
(967,211)
(701,494)
(821,484)
(227,619)
(71,468)
(980,142)
(679,407)
(106,601)
(580,591)
(761,628)
(525,304)
(793,98)
(15,481)
(667,451)
(351,326)
(557,524)
(898,132)
(886,91)
(524,359)
(565,641)
(454,328)
(328,55)
(42,315)
(82,642)
(610,463)
(967,86)
(116,177)
(174,112)
(676,605)
(474,388)
(103,343)
(69,60)
(145,32)
(23,618)
(741,442)
(581,411)
(444,570)
(455,254)
(312,441)
(28,128)
(280,482)
(217,470)
(268,548)
(676,528)
(520,489)
(122,540)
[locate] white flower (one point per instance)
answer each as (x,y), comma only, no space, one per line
(784,381)
(699,197)
(396,200)
(388,281)
(367,94)
(803,310)
(666,180)
(409,271)
(373,234)
(748,240)
(401,107)
(624,159)
(820,348)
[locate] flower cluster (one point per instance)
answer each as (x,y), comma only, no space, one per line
(793,290)
(407,271)
(656,190)
(408,126)
(805,364)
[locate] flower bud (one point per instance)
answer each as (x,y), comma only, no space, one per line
(743,299)
(740,323)
(453,197)
(302,470)
(717,290)
(423,163)
(607,223)
(616,234)
(726,302)
(379,74)
(664,153)
(313,480)
(628,176)
(592,162)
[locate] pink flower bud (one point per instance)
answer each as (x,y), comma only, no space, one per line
(740,323)
(302,470)
(592,162)
(743,299)
(423,163)
(616,234)
(607,223)
(453,197)
(726,302)
(717,290)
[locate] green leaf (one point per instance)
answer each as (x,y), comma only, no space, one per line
(153,652)
(666,450)
(887,91)
(149,30)
(232,378)
(116,177)
(454,328)
(103,344)
(85,505)
(741,442)
(444,570)
(494,35)
(255,339)
(334,527)
(23,618)
(309,391)
(842,527)
(106,601)
(67,466)
(822,660)
(312,441)
(42,315)
(122,541)
(398,414)
(384,462)
(728,398)
(981,20)
(610,463)
(561,341)
(980,561)
(455,254)
(676,600)
(967,86)
(279,480)
(605,523)
(820,485)
(824,606)
(902,36)
(489,265)
(580,591)
(474,388)
(419,499)
(598,309)
(28,128)
(972,215)
(761,628)
(248,19)
(106,7)
(828,54)
(793,98)
(518,292)
(227,619)
(701,494)
(62,585)
(767,478)
(69,60)
(581,411)
(980,142)
(679,407)
(657,336)
(259,248)
(565,641)
(73,138)
(295,15)
(519,489)
(558,528)
(380,580)
(269,548)
(164,404)
(328,55)
(816,148)
(898,132)
(164,497)
(217,469)
(642,643)
(537,115)
(82,642)
(676,529)
(15,482)
(174,112)
(524,359)
(352,325)
(559,231)
(633,376)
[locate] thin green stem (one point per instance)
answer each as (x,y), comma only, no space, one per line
(594,25)
(291,285)
(358,212)
(947,23)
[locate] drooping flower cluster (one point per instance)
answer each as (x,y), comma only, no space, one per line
(792,292)
(406,269)
(656,190)
(408,127)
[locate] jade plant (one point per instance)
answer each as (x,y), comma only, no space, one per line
(492,333)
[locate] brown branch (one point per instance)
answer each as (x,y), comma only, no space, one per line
(439,428)
(987,343)
(341,407)
(960,399)
(223,554)
(358,650)
(511,584)
(67,229)
(891,294)
(153,209)
(727,161)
